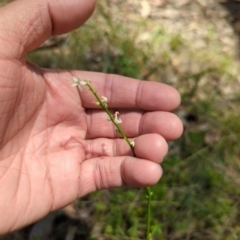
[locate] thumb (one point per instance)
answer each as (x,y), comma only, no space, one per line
(26,24)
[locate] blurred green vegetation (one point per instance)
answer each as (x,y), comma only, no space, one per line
(198,196)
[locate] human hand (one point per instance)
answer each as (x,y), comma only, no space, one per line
(55,146)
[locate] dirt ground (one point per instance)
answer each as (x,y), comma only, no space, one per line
(189,16)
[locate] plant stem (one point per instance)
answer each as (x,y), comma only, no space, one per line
(149,193)
(104,106)
(149,200)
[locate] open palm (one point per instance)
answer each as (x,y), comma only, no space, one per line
(55,145)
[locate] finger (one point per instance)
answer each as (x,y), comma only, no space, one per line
(134,123)
(108,172)
(27,24)
(151,146)
(124,92)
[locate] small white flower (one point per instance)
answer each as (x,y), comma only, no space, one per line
(97,103)
(116,119)
(104,101)
(78,83)
(132,143)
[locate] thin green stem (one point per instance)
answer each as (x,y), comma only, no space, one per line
(149,193)
(104,106)
(149,200)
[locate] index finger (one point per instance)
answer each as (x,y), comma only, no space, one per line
(125,92)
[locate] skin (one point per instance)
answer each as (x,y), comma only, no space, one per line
(55,145)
